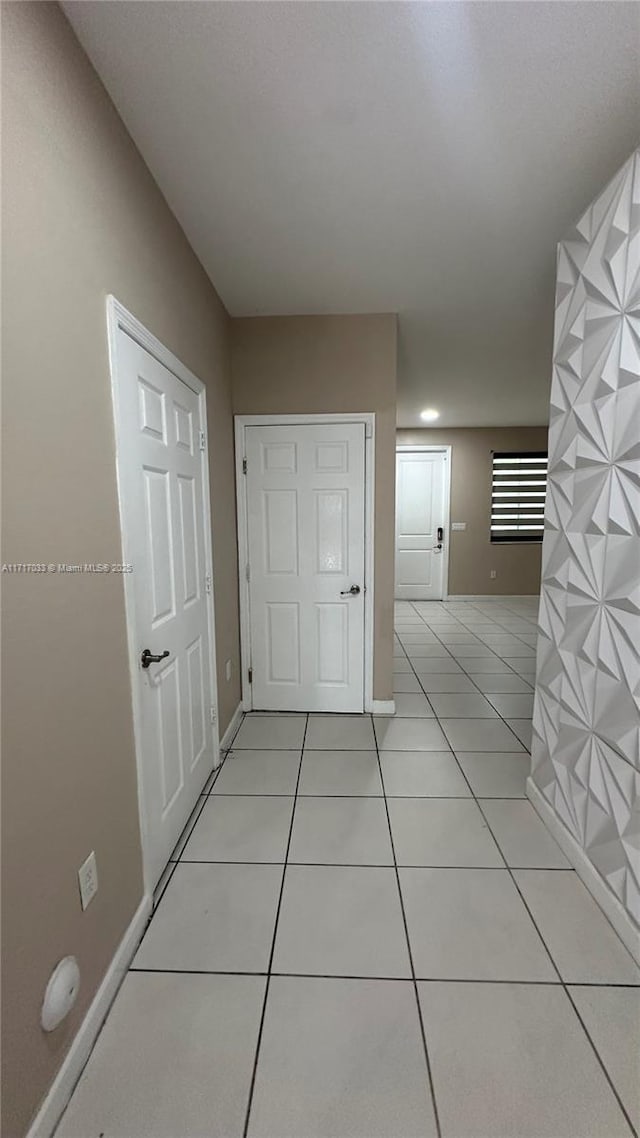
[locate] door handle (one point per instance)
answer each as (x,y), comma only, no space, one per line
(352,592)
(440,535)
(147,658)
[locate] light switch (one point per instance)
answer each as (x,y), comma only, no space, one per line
(458,525)
(88,880)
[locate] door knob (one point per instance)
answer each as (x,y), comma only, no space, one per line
(148,658)
(352,592)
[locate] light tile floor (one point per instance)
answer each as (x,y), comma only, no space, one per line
(367,932)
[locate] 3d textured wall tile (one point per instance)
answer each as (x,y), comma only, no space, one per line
(586,744)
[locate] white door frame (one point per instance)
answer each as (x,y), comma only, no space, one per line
(241,422)
(121,321)
(403,448)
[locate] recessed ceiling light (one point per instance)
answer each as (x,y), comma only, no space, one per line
(429,415)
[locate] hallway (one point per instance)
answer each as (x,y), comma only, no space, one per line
(366,931)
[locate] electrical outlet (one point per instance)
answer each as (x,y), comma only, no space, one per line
(228,670)
(493,574)
(88,880)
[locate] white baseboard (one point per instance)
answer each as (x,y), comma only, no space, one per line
(383,707)
(74,1061)
(377,707)
(613,910)
(229,735)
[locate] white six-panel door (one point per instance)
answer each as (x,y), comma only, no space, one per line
(420,511)
(162,468)
(306,541)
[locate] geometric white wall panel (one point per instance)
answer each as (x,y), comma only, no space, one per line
(586,738)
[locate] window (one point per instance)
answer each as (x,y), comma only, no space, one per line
(518,490)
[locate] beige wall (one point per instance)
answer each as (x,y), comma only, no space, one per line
(82,217)
(471,554)
(312,364)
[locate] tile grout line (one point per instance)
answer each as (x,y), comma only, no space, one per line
(409,950)
(191,824)
(564,984)
(479,798)
(469,676)
(271,972)
(567,869)
(193,819)
(555,967)
(386,979)
(273,940)
(469,629)
(384,864)
(438,718)
(423,719)
(607,1076)
(197,811)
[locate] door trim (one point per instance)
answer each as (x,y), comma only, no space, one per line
(122,322)
(404,448)
(241,422)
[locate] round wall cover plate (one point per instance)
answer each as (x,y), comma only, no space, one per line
(61,992)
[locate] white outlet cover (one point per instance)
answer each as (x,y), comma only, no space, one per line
(88,879)
(228,669)
(60,994)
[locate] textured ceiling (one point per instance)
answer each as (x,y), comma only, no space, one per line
(415,158)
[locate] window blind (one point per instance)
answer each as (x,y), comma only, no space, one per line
(518,491)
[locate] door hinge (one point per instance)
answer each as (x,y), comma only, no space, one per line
(247,572)
(250,675)
(207,583)
(203,440)
(212,715)
(244,466)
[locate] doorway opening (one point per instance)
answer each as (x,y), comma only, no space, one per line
(305,495)
(423,490)
(165,519)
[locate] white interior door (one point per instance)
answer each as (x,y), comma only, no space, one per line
(306,540)
(162,471)
(420,513)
